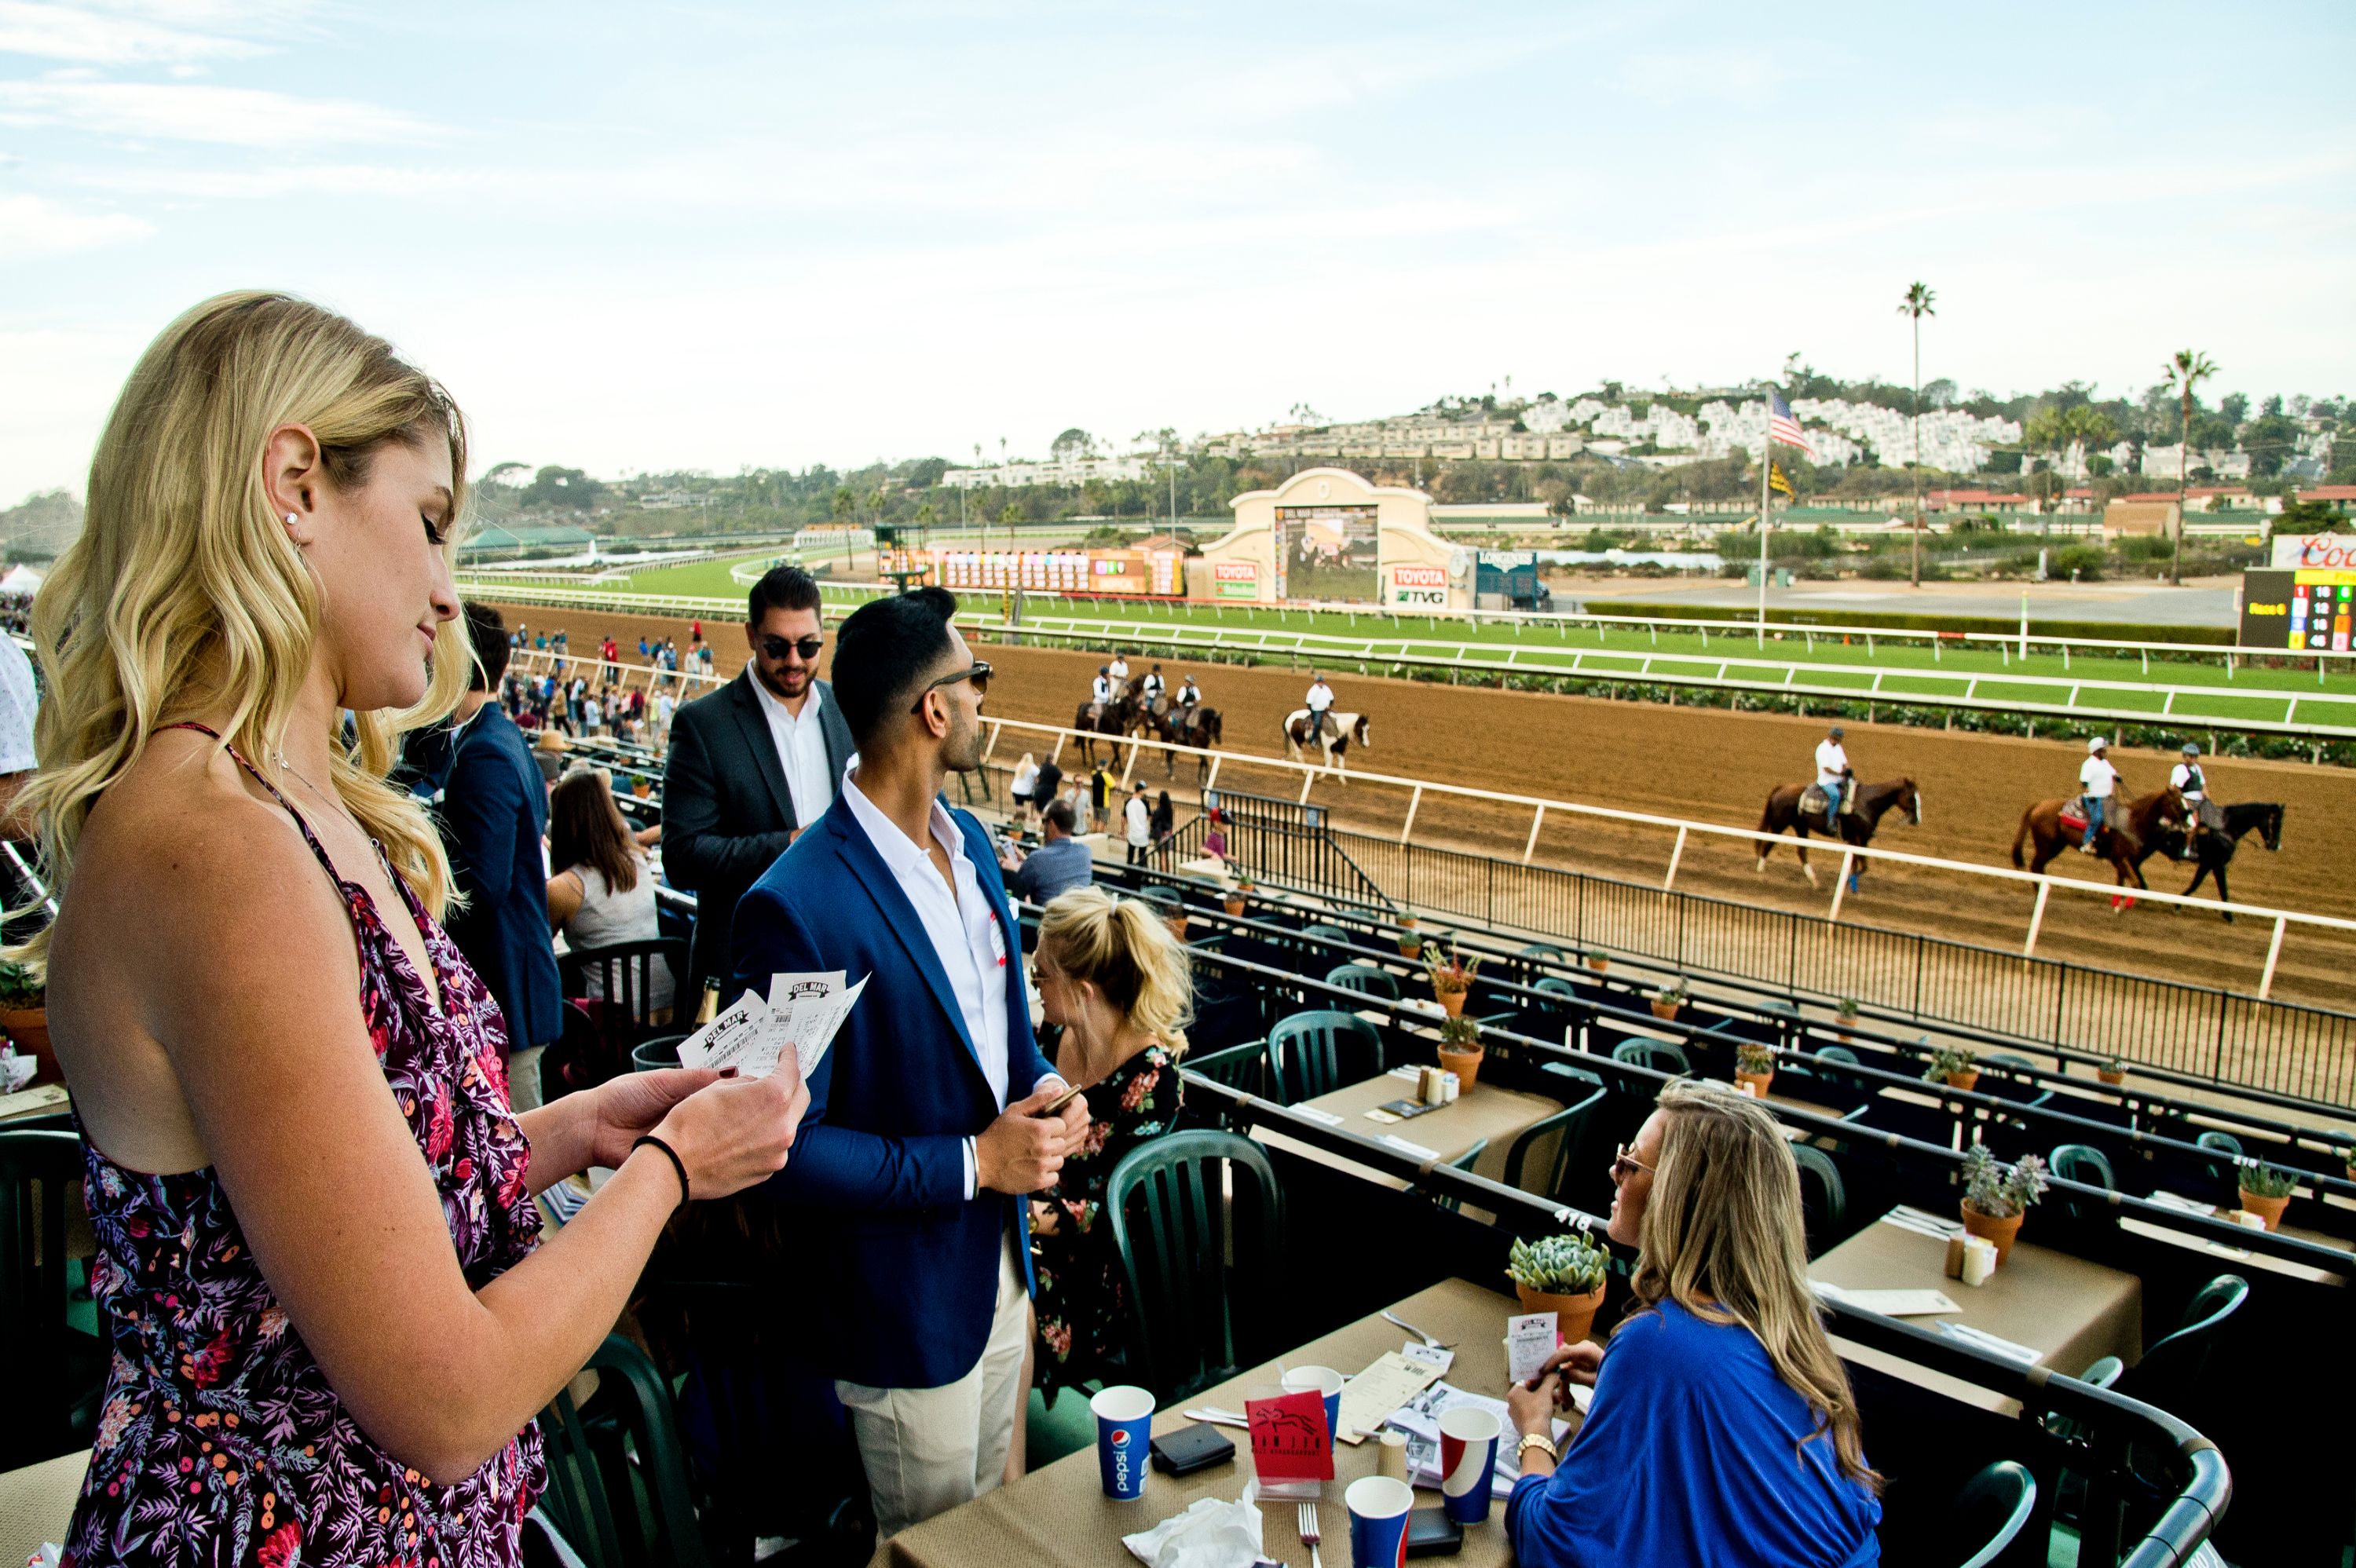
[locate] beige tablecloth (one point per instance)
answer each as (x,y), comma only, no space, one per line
(1059,1515)
(2072,1310)
(1484,1112)
(36,1504)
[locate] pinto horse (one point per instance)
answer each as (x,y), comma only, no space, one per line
(1335,741)
(2132,825)
(1874,801)
(2211,850)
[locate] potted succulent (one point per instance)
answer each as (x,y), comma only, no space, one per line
(1598,960)
(1997,1196)
(2113,1071)
(1561,1275)
(2267,1189)
(1236,897)
(1846,1016)
(1668,999)
(1410,941)
(1461,1050)
(25,1014)
(1451,976)
(1953,1064)
(1754,1063)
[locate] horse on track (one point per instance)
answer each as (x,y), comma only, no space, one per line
(2144,820)
(1345,728)
(1114,720)
(1198,727)
(2214,848)
(1874,801)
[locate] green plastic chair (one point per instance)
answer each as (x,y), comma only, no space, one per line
(1556,985)
(2225,1172)
(1323,933)
(1449,1200)
(57,1372)
(1367,980)
(2081,1162)
(1839,1053)
(592,1499)
(1198,1220)
(1568,1126)
(1316,1052)
(1243,1067)
(1824,1199)
(1544,953)
(2180,1361)
(1659,1055)
(1990,1512)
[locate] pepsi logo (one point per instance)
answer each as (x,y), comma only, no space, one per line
(1120,1437)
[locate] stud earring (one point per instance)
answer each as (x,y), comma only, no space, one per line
(290,520)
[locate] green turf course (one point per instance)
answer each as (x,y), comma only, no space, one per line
(710,579)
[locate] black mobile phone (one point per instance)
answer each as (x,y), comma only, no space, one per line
(1191,1448)
(1431,1533)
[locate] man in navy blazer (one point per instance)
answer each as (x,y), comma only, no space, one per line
(925,1126)
(494,809)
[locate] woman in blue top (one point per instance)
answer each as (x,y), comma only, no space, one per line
(1723,1433)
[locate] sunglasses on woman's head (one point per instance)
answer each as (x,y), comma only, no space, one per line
(1625,1165)
(978,674)
(776,648)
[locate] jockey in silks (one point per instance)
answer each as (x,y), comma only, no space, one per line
(1153,688)
(2193,785)
(1320,703)
(2098,782)
(1832,777)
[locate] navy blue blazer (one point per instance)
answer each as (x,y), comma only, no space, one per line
(901,1267)
(493,811)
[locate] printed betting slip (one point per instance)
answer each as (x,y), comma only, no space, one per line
(752,1034)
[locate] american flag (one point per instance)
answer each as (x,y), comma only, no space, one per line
(1782,426)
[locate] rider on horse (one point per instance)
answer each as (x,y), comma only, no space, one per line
(1320,703)
(1119,670)
(1153,688)
(1100,693)
(1188,695)
(2188,781)
(2097,782)
(1832,777)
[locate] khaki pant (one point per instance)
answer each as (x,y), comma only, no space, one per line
(928,1450)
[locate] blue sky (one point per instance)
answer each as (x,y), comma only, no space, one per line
(715,236)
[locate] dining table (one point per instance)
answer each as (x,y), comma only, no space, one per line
(1439,1135)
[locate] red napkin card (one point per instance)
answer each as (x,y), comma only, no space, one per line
(1289,1439)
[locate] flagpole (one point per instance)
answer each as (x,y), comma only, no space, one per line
(1766,468)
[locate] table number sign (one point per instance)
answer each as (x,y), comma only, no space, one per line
(1288,1438)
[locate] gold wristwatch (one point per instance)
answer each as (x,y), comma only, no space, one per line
(1536,1440)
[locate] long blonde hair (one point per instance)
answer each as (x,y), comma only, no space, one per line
(184,590)
(1125,949)
(1722,1236)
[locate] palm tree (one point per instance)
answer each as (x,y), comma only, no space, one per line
(1916,306)
(2181,374)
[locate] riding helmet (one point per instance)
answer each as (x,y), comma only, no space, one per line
(2190,749)
(2096,743)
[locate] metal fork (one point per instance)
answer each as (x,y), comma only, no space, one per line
(1428,1342)
(1309,1534)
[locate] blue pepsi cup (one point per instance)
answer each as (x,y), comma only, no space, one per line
(1379,1509)
(1124,1439)
(1327,1382)
(1468,1463)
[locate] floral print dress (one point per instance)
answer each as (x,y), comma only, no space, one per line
(1083,1301)
(221,1442)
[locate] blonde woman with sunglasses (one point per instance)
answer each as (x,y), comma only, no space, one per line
(1723,1430)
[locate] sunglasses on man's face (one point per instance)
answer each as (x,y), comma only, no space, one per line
(775,649)
(978,675)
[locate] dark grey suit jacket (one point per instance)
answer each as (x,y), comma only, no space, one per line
(726,810)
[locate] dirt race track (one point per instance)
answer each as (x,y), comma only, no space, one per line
(1717,766)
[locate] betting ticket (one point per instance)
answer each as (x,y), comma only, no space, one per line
(801,1013)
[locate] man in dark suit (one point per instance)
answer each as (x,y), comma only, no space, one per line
(925,1123)
(493,811)
(752,764)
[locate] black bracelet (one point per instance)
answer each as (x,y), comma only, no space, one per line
(672,1155)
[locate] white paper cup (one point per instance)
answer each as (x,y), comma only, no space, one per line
(1324,1380)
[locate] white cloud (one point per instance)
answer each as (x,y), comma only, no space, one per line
(235,116)
(96,38)
(34,226)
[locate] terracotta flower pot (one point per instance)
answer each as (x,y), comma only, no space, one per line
(2107,1076)
(1235,906)
(2270,1209)
(2000,1232)
(1574,1316)
(1408,946)
(1465,1064)
(1599,965)
(1758,1081)
(1963,1080)
(1177,923)
(1450,1002)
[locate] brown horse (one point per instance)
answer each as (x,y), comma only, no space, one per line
(2131,825)
(1873,802)
(1197,727)
(1114,720)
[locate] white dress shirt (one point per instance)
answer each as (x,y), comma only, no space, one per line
(2097,778)
(1832,761)
(801,752)
(974,952)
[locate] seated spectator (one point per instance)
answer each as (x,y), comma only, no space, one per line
(607,892)
(1115,980)
(1214,836)
(1723,1429)
(1060,864)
